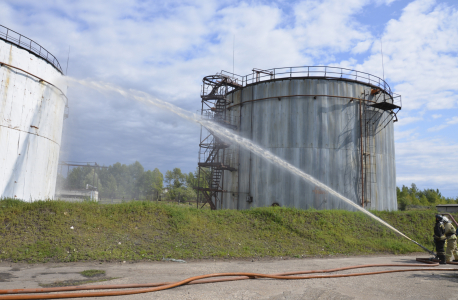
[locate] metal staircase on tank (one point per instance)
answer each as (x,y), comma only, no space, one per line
(213,150)
(378,109)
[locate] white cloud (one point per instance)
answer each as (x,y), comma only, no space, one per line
(436,116)
(405,120)
(386,2)
(427,161)
(329,24)
(411,133)
(437,128)
(362,47)
(451,121)
(421,55)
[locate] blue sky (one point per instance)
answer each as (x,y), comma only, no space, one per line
(165,48)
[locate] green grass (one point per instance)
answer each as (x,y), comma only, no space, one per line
(73,282)
(92,273)
(42,231)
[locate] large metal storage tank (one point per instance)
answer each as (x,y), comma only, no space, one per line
(332,123)
(32,108)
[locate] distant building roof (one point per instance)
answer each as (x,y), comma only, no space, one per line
(447,207)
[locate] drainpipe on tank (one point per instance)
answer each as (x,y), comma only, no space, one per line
(361,140)
(251,128)
(238,169)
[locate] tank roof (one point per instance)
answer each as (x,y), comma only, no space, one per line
(323,72)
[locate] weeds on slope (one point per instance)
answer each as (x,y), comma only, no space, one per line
(64,231)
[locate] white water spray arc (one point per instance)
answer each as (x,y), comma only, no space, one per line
(226,134)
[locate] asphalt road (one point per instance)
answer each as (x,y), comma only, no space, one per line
(408,285)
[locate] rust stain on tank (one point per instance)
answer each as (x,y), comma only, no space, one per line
(7,79)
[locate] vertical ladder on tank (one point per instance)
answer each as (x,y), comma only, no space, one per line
(369,152)
(361,145)
(367,176)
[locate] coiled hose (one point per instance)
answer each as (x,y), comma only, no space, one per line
(153,287)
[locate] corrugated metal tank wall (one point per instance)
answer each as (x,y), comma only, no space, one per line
(321,136)
(31,119)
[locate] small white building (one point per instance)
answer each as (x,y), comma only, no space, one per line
(77,195)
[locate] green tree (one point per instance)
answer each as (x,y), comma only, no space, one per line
(110,186)
(150,183)
(414,196)
(403,197)
(116,181)
(424,200)
(175,178)
(191,180)
(76,178)
(92,179)
(180,186)
(136,172)
(184,194)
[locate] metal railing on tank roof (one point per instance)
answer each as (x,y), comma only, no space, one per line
(29,45)
(326,72)
(310,71)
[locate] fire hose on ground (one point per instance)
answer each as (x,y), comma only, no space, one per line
(217,277)
(153,287)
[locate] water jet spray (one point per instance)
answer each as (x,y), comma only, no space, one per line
(228,135)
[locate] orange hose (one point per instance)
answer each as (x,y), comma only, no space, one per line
(125,286)
(241,275)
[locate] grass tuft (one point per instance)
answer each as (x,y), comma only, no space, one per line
(92,273)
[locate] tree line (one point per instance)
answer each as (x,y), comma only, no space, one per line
(121,181)
(428,197)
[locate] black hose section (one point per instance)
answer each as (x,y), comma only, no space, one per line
(424,248)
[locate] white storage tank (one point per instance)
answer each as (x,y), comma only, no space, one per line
(32,109)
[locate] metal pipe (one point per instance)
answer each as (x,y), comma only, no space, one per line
(361,142)
(238,156)
(451,217)
(41,79)
(289,96)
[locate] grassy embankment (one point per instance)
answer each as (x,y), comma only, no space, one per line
(42,231)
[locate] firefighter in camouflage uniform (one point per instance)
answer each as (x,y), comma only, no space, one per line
(439,238)
(450,235)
